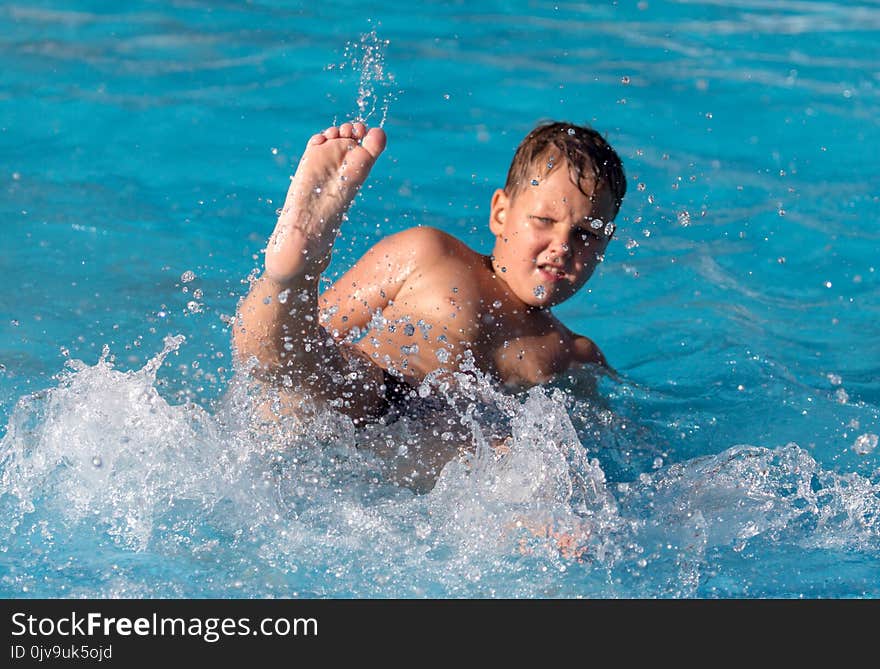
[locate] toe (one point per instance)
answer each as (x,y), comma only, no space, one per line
(317,139)
(358,130)
(332,132)
(374,141)
(345,130)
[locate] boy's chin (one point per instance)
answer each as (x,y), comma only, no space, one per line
(549,298)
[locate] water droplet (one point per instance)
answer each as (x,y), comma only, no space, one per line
(409,330)
(535,182)
(274,151)
(609,229)
(423,530)
(496,304)
(865,443)
(283,295)
(188,276)
(624,80)
(317,189)
(570,131)
(194,307)
(596,223)
(540,291)
(684,218)
(96,462)
(442,355)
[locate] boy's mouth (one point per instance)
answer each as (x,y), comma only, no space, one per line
(551,272)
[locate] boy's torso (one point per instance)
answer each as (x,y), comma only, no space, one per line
(456,305)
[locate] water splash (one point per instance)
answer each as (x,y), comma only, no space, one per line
(102,471)
(376,85)
(106,488)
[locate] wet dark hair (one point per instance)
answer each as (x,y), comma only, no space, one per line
(585,150)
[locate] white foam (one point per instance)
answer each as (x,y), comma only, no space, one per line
(103,466)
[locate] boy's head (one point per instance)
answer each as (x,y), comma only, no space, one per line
(592,164)
(552,219)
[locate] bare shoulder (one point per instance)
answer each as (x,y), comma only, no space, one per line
(428,256)
(425,242)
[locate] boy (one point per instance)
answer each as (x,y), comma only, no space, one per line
(441,301)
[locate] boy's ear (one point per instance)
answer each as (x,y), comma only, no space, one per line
(498,211)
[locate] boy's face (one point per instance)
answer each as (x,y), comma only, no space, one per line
(549,237)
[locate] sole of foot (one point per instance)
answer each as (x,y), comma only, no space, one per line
(333,167)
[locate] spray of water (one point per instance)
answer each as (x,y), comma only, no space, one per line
(106,488)
(376,85)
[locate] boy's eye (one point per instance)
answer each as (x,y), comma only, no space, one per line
(586,235)
(543,220)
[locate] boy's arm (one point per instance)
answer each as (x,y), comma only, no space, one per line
(376,279)
(584,382)
(585,351)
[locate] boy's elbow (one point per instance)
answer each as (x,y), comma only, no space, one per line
(596,357)
(587,352)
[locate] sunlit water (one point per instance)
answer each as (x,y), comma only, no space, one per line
(143,152)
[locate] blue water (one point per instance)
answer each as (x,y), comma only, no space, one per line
(739,301)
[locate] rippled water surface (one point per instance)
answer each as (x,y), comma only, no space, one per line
(144,149)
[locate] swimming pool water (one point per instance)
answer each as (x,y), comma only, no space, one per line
(144,149)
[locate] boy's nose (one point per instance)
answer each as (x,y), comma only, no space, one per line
(560,247)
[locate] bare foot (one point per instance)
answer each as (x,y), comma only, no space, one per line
(334,166)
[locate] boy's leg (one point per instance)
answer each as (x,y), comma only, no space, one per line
(277,323)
